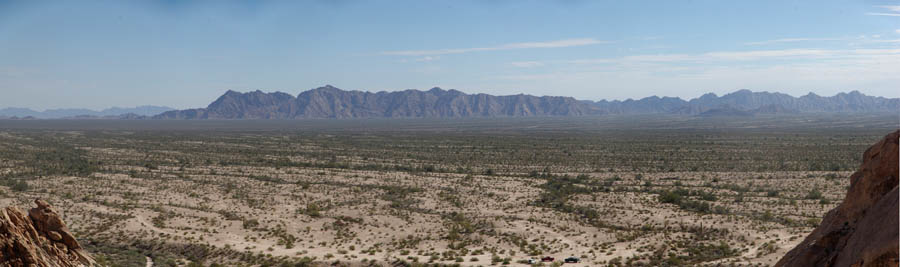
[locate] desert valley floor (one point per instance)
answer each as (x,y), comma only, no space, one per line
(611,190)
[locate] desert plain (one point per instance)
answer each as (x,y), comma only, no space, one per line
(609,190)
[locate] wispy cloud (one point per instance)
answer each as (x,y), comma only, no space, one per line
(894,11)
(591,61)
(886,41)
(883,14)
(428,58)
(828,69)
(728,57)
(897,31)
(791,40)
(658,58)
(892,8)
(713,57)
(759,54)
(526,45)
(527,64)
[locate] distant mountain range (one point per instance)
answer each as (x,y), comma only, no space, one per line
(115,112)
(331,102)
(752,102)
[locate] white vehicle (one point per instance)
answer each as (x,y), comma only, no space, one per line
(533,261)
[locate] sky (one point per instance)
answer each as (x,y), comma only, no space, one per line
(184,54)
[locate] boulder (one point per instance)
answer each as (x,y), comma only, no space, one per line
(40,238)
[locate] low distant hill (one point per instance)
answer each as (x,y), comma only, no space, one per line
(114,112)
(730,111)
(331,102)
(725,111)
(774,109)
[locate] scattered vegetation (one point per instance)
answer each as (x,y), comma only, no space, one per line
(413,193)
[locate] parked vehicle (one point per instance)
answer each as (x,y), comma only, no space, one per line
(572,260)
(532,261)
(547,259)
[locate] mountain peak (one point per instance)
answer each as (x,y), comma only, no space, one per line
(709,96)
(741,92)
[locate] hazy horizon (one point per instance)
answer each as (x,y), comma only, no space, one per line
(101,54)
(163,105)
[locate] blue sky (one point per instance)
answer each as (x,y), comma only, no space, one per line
(97,54)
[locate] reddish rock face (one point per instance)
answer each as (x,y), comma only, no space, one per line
(863,230)
(40,238)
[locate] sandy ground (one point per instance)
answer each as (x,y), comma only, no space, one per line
(357,222)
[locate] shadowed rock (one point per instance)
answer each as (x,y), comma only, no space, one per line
(40,238)
(863,230)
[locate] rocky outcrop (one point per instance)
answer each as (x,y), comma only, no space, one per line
(40,238)
(863,230)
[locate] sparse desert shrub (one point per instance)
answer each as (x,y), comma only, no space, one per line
(250,223)
(814,194)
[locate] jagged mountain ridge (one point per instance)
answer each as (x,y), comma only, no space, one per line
(331,102)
